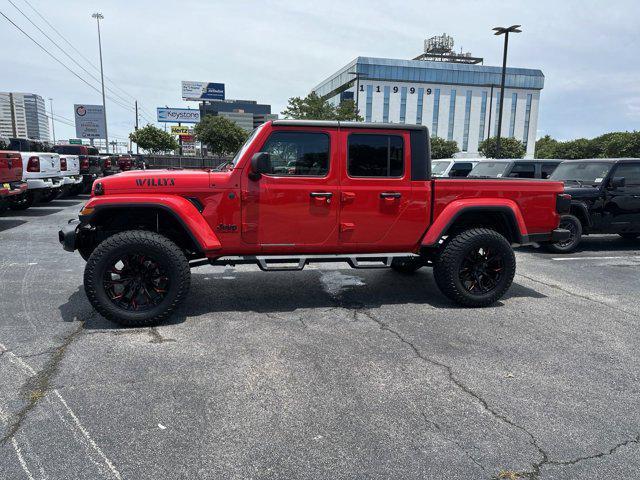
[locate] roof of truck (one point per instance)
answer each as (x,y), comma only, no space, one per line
(338,124)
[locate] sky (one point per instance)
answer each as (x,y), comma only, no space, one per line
(270,51)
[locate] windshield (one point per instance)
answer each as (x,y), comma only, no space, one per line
(438,168)
(581,172)
(244,147)
(489,169)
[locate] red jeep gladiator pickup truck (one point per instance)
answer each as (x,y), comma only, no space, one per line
(307,191)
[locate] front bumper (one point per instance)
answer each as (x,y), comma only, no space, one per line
(555,236)
(67,235)
(9,189)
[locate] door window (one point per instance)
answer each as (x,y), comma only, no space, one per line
(298,153)
(375,155)
(630,172)
(547,169)
(460,169)
(523,170)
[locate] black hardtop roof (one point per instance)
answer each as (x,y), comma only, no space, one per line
(603,160)
(340,124)
(522,160)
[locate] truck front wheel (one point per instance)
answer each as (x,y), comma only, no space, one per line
(475,267)
(136,278)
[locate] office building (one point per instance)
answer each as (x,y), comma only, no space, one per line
(23,115)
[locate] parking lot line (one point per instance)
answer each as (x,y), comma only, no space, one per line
(566,259)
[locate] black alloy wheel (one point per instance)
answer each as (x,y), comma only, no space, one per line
(135,282)
(481,270)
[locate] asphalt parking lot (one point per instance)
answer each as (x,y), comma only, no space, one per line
(327,373)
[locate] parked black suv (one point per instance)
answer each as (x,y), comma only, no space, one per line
(605,198)
(514,168)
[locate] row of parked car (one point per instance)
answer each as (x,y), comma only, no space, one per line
(31,171)
(605,192)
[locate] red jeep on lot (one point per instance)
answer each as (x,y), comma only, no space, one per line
(300,192)
(11,183)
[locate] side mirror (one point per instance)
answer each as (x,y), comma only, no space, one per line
(617,182)
(260,163)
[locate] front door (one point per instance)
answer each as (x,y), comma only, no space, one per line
(622,204)
(375,184)
(296,204)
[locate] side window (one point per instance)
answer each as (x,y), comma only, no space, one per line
(375,155)
(298,153)
(547,169)
(460,169)
(523,170)
(630,172)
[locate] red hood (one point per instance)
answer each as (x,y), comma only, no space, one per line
(178,182)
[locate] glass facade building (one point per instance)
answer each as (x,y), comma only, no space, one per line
(416,91)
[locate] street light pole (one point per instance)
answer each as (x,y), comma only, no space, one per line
(53,125)
(98,16)
(503,31)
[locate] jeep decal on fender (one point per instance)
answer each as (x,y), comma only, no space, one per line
(155,182)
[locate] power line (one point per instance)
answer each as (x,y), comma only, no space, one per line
(80,53)
(61,62)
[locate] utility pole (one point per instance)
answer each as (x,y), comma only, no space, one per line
(98,16)
(503,31)
(137,148)
(53,125)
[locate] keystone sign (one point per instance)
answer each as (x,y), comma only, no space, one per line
(89,121)
(178,115)
(202,91)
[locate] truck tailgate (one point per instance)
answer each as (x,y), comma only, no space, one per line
(536,199)
(10,167)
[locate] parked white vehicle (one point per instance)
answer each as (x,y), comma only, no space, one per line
(41,171)
(70,171)
(453,167)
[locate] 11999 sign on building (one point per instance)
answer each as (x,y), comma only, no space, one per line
(453,94)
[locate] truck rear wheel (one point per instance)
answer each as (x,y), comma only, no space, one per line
(475,267)
(22,201)
(571,223)
(137,278)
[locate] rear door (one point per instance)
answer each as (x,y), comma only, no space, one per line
(375,184)
(296,204)
(622,204)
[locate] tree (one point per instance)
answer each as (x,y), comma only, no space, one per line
(574,149)
(509,148)
(623,144)
(546,147)
(314,107)
(441,148)
(4,145)
(221,135)
(347,111)
(153,139)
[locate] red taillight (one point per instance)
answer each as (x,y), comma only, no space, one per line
(33,165)
(84,163)
(107,163)
(63,164)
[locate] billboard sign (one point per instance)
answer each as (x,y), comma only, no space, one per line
(202,91)
(89,121)
(178,115)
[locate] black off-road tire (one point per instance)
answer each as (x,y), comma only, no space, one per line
(629,236)
(22,202)
(573,224)
(448,264)
(407,265)
(151,245)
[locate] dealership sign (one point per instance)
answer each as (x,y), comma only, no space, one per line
(180,130)
(90,121)
(178,115)
(202,91)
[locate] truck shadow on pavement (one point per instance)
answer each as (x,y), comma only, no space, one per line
(32,212)
(600,243)
(273,292)
(8,224)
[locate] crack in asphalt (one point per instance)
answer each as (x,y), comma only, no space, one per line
(36,387)
(156,336)
(534,473)
(584,297)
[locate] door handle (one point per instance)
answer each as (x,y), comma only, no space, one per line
(390,195)
(321,194)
